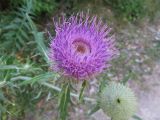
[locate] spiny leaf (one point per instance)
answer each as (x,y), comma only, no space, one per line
(39,38)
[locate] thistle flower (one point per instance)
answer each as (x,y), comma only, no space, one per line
(118,101)
(82,47)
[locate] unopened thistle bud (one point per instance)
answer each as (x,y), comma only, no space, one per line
(118,101)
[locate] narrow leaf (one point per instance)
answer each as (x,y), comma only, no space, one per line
(41,77)
(136,117)
(95,109)
(64,100)
(82,90)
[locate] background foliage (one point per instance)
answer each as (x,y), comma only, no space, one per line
(129,9)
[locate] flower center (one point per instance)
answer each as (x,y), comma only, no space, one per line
(81,46)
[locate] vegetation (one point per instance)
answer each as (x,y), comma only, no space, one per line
(128,9)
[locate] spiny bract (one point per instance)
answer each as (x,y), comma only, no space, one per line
(118,101)
(82,47)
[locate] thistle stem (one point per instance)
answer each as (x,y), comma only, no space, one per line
(72,94)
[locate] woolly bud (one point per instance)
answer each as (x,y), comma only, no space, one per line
(118,101)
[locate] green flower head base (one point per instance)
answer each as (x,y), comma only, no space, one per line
(118,101)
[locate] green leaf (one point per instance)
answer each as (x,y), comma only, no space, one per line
(95,109)
(103,83)
(20,39)
(23,33)
(2,96)
(64,100)
(82,90)
(31,23)
(2,84)
(136,117)
(6,67)
(41,77)
(129,74)
(39,38)
(2,108)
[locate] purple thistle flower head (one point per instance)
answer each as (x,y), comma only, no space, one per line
(82,47)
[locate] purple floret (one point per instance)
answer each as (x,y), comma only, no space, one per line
(82,47)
